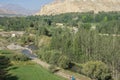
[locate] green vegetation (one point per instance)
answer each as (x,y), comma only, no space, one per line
(73,38)
(5,52)
(19,57)
(96,70)
(63,62)
(20,69)
(45,24)
(32,72)
(14,56)
(4,71)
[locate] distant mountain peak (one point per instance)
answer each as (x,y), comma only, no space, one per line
(14,9)
(66,6)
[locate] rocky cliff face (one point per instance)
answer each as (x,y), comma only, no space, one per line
(65,6)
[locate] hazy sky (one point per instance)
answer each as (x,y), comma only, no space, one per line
(29,4)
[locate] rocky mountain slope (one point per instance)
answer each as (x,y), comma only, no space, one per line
(65,6)
(14,9)
(3,10)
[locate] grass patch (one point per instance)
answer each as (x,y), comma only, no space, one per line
(27,70)
(32,72)
(5,52)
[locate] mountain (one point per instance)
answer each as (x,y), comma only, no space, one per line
(65,6)
(5,11)
(14,9)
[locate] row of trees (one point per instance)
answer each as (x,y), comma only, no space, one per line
(109,27)
(87,45)
(68,19)
(55,58)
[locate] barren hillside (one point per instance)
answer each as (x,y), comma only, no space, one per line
(65,6)
(5,11)
(15,9)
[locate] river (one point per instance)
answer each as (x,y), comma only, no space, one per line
(28,51)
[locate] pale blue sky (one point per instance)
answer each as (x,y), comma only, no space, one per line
(29,4)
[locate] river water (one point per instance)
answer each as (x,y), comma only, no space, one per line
(28,53)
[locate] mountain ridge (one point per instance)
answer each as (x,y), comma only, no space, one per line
(66,6)
(15,9)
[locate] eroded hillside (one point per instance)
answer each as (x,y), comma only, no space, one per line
(65,6)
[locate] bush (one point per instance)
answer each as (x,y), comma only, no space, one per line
(50,56)
(56,58)
(75,67)
(86,26)
(64,62)
(46,56)
(53,69)
(19,57)
(96,70)
(55,55)
(5,52)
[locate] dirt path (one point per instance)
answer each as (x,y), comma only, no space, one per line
(43,64)
(61,72)
(67,76)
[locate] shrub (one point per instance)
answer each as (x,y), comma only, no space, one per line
(19,57)
(54,57)
(75,67)
(86,26)
(53,69)
(5,52)
(96,70)
(63,62)
(51,56)
(46,56)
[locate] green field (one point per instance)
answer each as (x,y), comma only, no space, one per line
(32,72)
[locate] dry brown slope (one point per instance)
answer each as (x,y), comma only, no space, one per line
(65,6)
